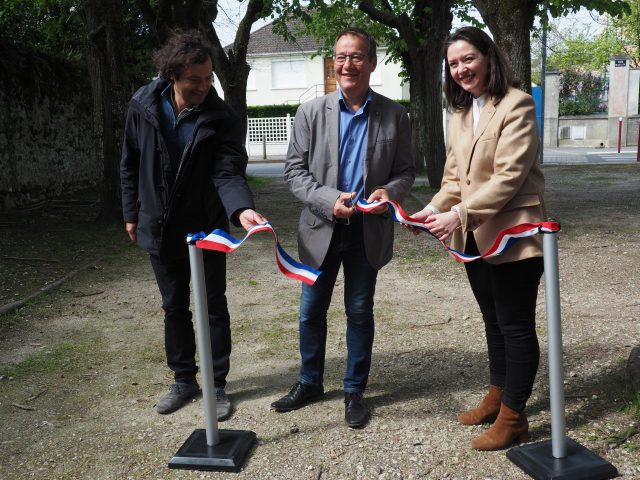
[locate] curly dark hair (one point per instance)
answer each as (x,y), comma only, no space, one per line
(181,50)
(499,74)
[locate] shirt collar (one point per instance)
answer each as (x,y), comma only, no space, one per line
(167,94)
(480,101)
(343,103)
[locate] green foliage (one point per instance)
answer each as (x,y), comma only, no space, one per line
(624,33)
(581,50)
(559,8)
(323,21)
(47,26)
(582,93)
(263,111)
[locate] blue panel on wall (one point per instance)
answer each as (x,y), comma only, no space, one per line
(536,93)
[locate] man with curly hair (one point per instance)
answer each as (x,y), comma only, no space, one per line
(183,171)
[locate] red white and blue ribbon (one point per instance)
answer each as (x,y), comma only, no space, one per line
(505,240)
(221,241)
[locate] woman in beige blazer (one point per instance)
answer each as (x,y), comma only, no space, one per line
(492,181)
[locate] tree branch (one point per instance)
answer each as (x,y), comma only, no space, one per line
(241,42)
(386,17)
(148,15)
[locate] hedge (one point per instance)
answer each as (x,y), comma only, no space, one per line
(263,111)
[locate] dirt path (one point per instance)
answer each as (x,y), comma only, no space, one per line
(81,367)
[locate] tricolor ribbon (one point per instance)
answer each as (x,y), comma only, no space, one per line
(221,241)
(505,240)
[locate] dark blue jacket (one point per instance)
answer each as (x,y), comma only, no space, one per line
(209,187)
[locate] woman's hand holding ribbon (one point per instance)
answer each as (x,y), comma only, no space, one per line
(420,216)
(443,225)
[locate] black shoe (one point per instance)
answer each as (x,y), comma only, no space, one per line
(299,396)
(356,412)
(179,394)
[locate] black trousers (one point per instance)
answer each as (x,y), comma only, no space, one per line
(179,338)
(506,294)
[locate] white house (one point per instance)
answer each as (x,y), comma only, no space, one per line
(285,73)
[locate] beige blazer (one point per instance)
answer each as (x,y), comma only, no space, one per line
(493,176)
(312,168)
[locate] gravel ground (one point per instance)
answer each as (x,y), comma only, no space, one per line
(82,367)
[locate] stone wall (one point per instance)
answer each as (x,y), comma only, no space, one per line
(47,146)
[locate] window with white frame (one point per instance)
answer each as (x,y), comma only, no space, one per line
(288,73)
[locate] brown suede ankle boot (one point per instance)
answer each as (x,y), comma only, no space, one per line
(510,427)
(486,412)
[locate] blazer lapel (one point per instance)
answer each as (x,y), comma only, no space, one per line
(332,121)
(485,116)
(466,137)
(375,116)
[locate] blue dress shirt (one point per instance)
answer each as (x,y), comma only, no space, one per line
(353,145)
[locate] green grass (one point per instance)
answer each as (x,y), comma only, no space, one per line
(11,319)
(632,404)
(280,337)
(65,357)
(255,182)
(153,353)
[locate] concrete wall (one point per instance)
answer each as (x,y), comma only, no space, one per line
(583,131)
(46,141)
(596,130)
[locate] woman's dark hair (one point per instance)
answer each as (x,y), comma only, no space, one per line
(499,74)
(363,34)
(181,50)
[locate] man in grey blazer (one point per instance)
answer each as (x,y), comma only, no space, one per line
(348,145)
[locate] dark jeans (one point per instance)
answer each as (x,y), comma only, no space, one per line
(507,296)
(179,339)
(346,249)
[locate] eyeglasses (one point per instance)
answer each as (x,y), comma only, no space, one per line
(356,59)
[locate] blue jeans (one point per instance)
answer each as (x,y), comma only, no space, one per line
(346,249)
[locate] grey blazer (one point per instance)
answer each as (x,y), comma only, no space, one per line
(312,171)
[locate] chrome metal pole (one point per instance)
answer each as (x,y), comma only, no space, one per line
(204,345)
(554,326)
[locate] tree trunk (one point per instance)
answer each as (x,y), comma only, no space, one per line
(424,34)
(424,64)
(235,93)
(105,59)
(510,22)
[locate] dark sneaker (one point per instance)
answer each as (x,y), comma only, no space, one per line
(179,394)
(223,404)
(356,413)
(299,396)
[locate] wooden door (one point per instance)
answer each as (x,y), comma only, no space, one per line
(329,76)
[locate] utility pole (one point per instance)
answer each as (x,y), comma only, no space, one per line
(543,81)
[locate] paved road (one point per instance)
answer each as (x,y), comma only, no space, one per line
(274,167)
(589,155)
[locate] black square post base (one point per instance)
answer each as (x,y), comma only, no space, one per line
(538,462)
(228,455)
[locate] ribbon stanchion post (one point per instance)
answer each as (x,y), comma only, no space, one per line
(559,458)
(209,448)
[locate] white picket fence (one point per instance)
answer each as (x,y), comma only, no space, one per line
(268,138)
